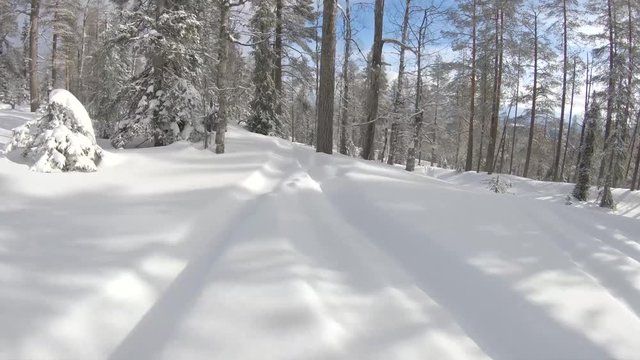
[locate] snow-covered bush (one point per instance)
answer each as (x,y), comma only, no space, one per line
(61,140)
(498,185)
(568,200)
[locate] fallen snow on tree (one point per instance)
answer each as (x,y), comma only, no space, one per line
(61,140)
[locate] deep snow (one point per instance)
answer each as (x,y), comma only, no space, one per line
(275,252)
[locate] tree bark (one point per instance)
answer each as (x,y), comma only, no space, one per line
(610,91)
(277,48)
(221,76)
(566,144)
(469,163)
(158,69)
(313,133)
(635,182)
(81,52)
(398,101)
(34,16)
(54,44)
(374,83)
(584,117)
(497,82)
(434,140)
(535,93)
(630,70)
(345,134)
(483,113)
(417,136)
(515,117)
(563,98)
(324,141)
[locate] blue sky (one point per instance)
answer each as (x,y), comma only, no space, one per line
(362,13)
(363,23)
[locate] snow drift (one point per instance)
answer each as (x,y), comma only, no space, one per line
(61,140)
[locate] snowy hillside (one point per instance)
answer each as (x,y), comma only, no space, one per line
(627,202)
(272,251)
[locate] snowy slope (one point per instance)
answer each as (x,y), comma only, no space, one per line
(275,252)
(627,202)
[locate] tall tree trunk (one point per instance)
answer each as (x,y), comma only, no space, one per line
(497,84)
(293,118)
(277,48)
(515,118)
(563,98)
(398,101)
(34,17)
(630,70)
(634,185)
(460,120)
(584,118)
(158,69)
(345,134)
(384,146)
(81,52)
(635,182)
(374,83)
(483,114)
(503,141)
(418,117)
(632,146)
(566,144)
(469,162)
(434,140)
(610,90)
(316,37)
(54,44)
(533,100)
(221,76)
(327,78)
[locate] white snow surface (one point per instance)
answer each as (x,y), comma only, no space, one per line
(272,251)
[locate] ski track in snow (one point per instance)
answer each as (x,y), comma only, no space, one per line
(273,251)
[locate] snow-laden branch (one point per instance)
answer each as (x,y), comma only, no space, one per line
(238,42)
(399,43)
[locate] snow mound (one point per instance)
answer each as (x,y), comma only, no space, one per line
(61,140)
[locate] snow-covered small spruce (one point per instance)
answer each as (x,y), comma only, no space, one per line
(61,140)
(498,185)
(581,190)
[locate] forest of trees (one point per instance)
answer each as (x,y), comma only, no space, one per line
(500,86)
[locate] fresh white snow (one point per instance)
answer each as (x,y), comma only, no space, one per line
(68,100)
(272,251)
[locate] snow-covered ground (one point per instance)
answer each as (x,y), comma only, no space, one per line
(275,252)
(627,202)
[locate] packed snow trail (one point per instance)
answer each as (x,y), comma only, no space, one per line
(273,251)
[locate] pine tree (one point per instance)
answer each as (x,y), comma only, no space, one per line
(11,74)
(161,98)
(581,189)
(263,118)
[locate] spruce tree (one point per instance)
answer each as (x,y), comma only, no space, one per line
(581,190)
(161,99)
(263,119)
